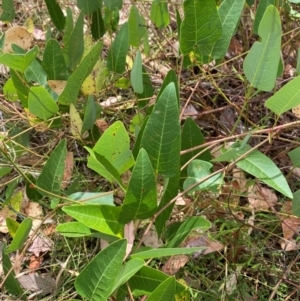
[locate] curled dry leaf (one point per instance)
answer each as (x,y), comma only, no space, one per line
(69,166)
(129,234)
(261,198)
(174,263)
(296,111)
(17,35)
(102,125)
(151,239)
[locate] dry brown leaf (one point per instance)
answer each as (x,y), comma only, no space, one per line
(151,239)
(102,125)
(57,85)
(239,176)
(296,111)
(37,283)
(4,213)
(261,198)
(198,240)
(69,166)
(290,225)
(174,263)
(35,262)
(129,234)
(17,35)
(40,244)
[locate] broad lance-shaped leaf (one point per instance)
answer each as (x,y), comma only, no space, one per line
(102,218)
(229,12)
(97,279)
(54,62)
(161,138)
(165,291)
(141,198)
(261,63)
(261,8)
(20,236)
(185,228)
(116,59)
(56,14)
(136,27)
(74,44)
(11,283)
(52,174)
(263,168)
(136,74)
(70,93)
(147,279)
(286,98)
(201,25)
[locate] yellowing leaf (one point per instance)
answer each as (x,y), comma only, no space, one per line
(57,85)
(29,25)
(76,123)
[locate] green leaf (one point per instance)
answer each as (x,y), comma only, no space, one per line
(102,218)
(164,252)
(136,75)
(114,146)
(128,270)
(171,191)
(198,170)
(171,77)
(201,25)
(147,279)
(261,9)
(116,59)
(136,27)
(112,4)
(41,104)
(89,6)
(100,198)
(11,283)
(70,93)
(54,62)
(19,62)
(191,137)
(56,14)
(192,223)
(21,86)
(20,236)
(261,63)
(90,114)
(97,279)
(8,11)
(148,90)
(295,156)
(73,229)
(141,198)
(159,14)
(229,12)
(98,28)
(263,168)
(103,167)
(4,171)
(161,137)
(165,291)
(10,91)
(286,98)
(35,73)
(51,176)
(74,44)
(296,203)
